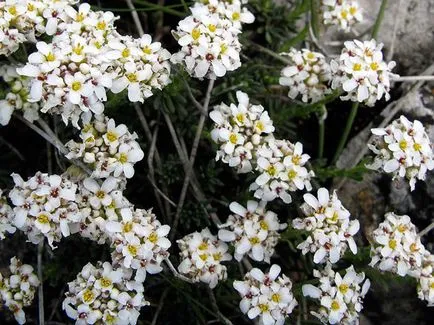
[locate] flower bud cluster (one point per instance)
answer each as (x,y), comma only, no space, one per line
(267,296)
(109,150)
(16,95)
(209,38)
(362,73)
(403,149)
(330,230)
(87,57)
(24,20)
(104,295)
(6,217)
(253,231)
(18,289)
(202,255)
(397,247)
(308,75)
(45,206)
(340,297)
(342,13)
(245,135)
(139,242)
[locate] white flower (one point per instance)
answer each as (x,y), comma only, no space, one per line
(252,230)
(425,287)
(330,230)
(361,72)
(396,246)
(403,149)
(266,295)
(201,257)
(100,193)
(343,13)
(308,75)
(6,217)
(340,297)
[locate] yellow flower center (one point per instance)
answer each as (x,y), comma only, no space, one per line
(78,49)
(292,174)
(100,194)
(413,247)
(254,240)
(223,48)
(153,237)
(263,307)
(417,146)
(195,33)
(260,126)
(233,138)
(76,85)
(272,170)
(147,50)
(275,297)
(236,16)
(402,228)
(212,28)
(240,117)
(125,53)
(123,158)
(344,14)
(203,257)
(43,218)
(13,10)
(431,285)
(105,282)
(335,217)
(88,296)
(132,250)
(132,77)
(357,67)
(263,225)
(203,246)
(335,305)
(127,227)
(50,57)
(310,56)
(296,159)
(111,136)
(392,243)
(217,256)
(101,25)
(80,17)
(343,288)
(403,144)
(353,10)
(30,7)
(374,66)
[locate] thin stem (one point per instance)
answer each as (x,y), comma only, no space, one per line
(160,306)
(176,273)
(346,133)
(314,19)
(427,230)
(379,19)
(413,78)
(270,53)
(160,8)
(135,16)
(215,306)
(41,315)
(321,132)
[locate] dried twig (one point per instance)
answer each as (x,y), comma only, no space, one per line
(426,230)
(176,273)
(160,306)
(135,16)
(215,306)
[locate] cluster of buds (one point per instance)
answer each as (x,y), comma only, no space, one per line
(245,135)
(266,296)
(425,287)
(104,295)
(209,38)
(24,20)
(45,206)
(308,75)
(281,165)
(16,95)
(139,242)
(6,217)
(403,149)
(397,247)
(18,289)
(99,204)
(330,230)
(239,130)
(253,231)
(86,58)
(202,255)
(342,13)
(341,298)
(361,72)
(109,150)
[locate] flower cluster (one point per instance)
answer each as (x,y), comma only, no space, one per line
(330,230)
(17,93)
(396,246)
(362,73)
(202,255)
(252,230)
(24,20)
(86,58)
(209,38)
(341,298)
(403,149)
(342,13)
(307,75)
(245,135)
(139,242)
(108,149)
(266,295)
(18,290)
(425,288)
(239,130)
(45,207)
(104,295)
(6,217)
